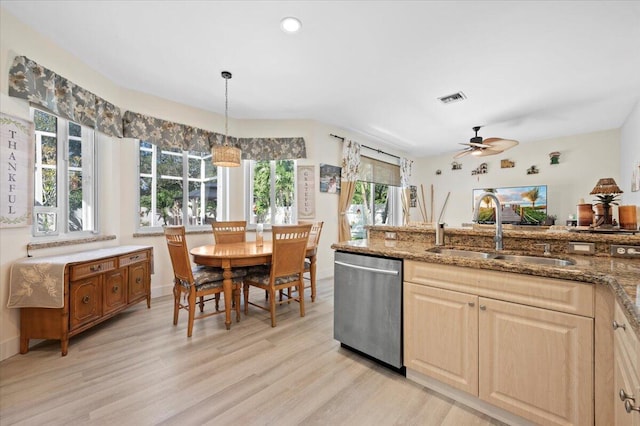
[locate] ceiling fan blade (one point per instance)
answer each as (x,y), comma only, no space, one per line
(487,152)
(499,143)
(476,145)
(462,153)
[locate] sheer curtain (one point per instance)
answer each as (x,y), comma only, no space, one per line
(348,178)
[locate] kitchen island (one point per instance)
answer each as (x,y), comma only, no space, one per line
(447,284)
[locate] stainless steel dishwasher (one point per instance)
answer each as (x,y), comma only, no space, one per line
(368,306)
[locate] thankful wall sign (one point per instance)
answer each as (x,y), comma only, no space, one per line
(16,171)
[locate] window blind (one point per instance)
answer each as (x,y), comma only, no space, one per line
(376,171)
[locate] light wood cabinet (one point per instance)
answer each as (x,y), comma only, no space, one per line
(626,377)
(534,362)
(97,285)
(441,335)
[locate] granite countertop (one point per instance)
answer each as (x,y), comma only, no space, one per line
(621,274)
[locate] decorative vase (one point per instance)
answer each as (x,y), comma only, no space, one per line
(604,216)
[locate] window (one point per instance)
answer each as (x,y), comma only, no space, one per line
(65,184)
(376,197)
(271,188)
(164,176)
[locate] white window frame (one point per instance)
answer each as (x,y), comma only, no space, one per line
(248,178)
(221,176)
(90,211)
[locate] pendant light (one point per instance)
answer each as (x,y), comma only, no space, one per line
(226,155)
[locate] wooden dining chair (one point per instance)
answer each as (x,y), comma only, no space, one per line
(232,231)
(195,285)
(289,246)
(314,236)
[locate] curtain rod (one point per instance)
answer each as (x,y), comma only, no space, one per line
(379,151)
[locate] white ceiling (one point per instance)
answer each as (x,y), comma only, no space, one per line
(530,70)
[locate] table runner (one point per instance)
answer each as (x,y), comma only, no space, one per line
(39,282)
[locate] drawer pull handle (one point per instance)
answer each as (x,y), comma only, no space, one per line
(86,299)
(629,407)
(616,325)
(483,308)
(472,304)
(95,268)
(624,396)
(115,288)
(132,258)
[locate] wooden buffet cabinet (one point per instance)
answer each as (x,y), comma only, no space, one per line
(95,288)
(522,343)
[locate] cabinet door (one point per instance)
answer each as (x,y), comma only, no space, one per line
(536,363)
(114,293)
(441,335)
(85,301)
(138,285)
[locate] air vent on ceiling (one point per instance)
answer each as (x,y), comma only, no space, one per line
(456,97)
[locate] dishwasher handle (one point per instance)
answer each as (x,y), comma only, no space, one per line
(366,268)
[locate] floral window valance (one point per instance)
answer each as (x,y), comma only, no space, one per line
(166,134)
(264,149)
(43,87)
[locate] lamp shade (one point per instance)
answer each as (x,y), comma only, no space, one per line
(606,186)
(226,156)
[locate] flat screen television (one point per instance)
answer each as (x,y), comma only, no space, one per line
(521,205)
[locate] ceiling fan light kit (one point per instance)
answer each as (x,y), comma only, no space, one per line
(479,147)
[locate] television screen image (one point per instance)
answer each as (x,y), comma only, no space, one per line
(521,205)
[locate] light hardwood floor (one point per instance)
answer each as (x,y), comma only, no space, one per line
(138,369)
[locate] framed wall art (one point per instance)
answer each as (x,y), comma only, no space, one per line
(306,192)
(16,171)
(330,178)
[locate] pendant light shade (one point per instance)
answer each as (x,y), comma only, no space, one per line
(226,155)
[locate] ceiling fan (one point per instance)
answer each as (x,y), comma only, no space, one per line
(481,148)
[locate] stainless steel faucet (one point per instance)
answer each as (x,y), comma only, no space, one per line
(498,237)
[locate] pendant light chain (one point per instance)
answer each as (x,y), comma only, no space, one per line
(226,155)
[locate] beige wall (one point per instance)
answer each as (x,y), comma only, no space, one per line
(583,160)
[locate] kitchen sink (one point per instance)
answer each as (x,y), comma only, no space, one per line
(461,253)
(516,258)
(548,261)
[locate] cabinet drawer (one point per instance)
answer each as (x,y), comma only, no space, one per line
(92,268)
(626,341)
(549,293)
(132,258)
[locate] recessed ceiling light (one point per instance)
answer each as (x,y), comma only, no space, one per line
(290,25)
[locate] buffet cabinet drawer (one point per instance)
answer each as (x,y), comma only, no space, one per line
(92,268)
(133,258)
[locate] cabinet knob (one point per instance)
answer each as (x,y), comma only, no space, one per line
(138,280)
(616,325)
(95,268)
(86,299)
(483,308)
(629,407)
(624,396)
(115,288)
(472,304)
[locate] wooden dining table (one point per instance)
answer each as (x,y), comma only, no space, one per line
(236,255)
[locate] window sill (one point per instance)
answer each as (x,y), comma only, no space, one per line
(63,243)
